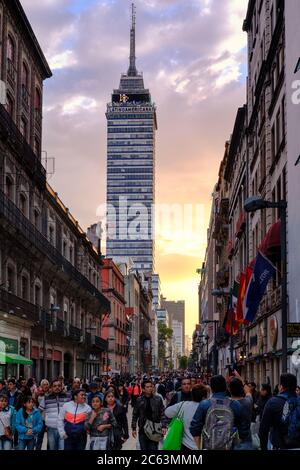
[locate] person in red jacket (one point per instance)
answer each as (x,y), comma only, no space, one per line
(136,391)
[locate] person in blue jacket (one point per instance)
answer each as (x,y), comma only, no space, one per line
(29,424)
(219,392)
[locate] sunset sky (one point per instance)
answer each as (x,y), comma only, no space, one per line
(193,56)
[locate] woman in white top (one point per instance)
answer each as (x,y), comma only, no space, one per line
(187,410)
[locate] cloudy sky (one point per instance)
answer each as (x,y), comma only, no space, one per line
(193,56)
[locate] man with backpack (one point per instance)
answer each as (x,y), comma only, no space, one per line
(184,394)
(281,417)
(218,421)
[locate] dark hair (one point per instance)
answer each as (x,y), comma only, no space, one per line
(267,388)
(145,382)
(105,396)
(236,388)
(199,392)
(76,392)
(3,395)
(97,396)
(2,382)
(289,382)
(30,382)
(218,384)
(11,381)
(54,381)
(253,384)
(26,400)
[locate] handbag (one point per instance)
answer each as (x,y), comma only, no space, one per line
(153,431)
(173,439)
(255,435)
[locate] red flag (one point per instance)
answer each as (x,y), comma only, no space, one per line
(244,282)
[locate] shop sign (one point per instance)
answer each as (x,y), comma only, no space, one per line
(9,345)
(273,331)
(293,330)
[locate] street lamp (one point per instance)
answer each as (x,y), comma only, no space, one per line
(215,322)
(52,309)
(227,294)
(256,203)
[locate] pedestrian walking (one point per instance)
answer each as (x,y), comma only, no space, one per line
(7,423)
(40,393)
(187,410)
(71,421)
(120,431)
(51,405)
(99,424)
(29,424)
(148,415)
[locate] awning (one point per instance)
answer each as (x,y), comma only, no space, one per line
(270,245)
(9,358)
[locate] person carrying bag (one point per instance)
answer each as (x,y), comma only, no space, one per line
(173,439)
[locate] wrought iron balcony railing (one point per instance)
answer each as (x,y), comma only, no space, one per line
(18,221)
(12,305)
(23,151)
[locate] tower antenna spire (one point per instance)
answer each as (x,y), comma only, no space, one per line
(132,71)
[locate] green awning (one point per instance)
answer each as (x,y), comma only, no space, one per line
(9,358)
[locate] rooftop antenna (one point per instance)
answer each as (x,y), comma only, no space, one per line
(132,71)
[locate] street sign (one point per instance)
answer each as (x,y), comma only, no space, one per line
(293,330)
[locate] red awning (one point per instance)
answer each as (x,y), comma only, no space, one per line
(270,245)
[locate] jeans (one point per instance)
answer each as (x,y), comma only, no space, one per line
(76,442)
(6,444)
(28,444)
(55,442)
(146,444)
(98,443)
(40,438)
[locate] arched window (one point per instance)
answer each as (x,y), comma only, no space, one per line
(24,287)
(24,128)
(25,76)
(11,50)
(36,217)
(38,295)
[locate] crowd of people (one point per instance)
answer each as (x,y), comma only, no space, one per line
(222,414)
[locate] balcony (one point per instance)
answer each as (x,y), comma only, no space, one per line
(17,307)
(24,228)
(74,333)
(100,343)
(11,135)
(11,73)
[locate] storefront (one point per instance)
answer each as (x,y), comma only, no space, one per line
(11,361)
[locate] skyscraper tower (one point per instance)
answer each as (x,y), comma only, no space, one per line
(131,128)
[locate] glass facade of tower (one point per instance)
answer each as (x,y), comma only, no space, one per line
(131,127)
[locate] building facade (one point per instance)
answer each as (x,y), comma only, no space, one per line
(114,326)
(261,159)
(131,128)
(176,311)
(50,289)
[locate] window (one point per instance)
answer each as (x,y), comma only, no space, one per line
(71,254)
(37,147)
(262,162)
(11,50)
(64,248)
(25,76)
(37,295)
(24,287)
(9,187)
(24,128)
(51,234)
(274,78)
(273,143)
(272,19)
(36,218)
(278,130)
(23,204)
(10,279)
